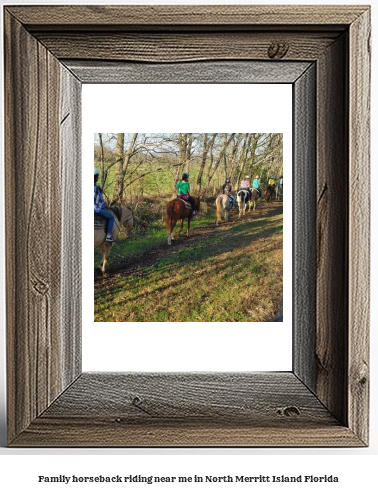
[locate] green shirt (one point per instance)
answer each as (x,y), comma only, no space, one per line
(183,187)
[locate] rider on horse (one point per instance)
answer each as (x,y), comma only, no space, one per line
(227,190)
(256,184)
(246,184)
(272,182)
(100,208)
(183,191)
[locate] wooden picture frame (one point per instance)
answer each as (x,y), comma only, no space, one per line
(49,52)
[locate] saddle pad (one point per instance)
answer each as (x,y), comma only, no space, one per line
(187,204)
(99,223)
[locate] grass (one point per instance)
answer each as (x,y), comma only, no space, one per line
(233,273)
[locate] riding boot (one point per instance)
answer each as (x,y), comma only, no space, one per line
(192,202)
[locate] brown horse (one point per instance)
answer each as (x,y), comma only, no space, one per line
(269,193)
(123,216)
(177,210)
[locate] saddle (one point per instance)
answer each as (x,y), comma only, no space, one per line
(101,222)
(187,204)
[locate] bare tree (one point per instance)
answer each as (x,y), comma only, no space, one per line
(207,146)
(122,166)
(214,168)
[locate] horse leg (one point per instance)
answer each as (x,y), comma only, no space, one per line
(105,256)
(99,268)
(181,226)
(188,228)
(172,224)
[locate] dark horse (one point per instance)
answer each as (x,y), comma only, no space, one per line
(269,192)
(177,209)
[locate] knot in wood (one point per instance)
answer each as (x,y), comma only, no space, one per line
(288,411)
(136,400)
(278,50)
(41,287)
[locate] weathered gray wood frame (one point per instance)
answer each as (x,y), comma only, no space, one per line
(49,53)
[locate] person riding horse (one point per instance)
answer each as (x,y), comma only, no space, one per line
(256,184)
(100,208)
(227,190)
(246,184)
(270,189)
(183,191)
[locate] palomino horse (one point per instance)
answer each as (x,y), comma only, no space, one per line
(223,204)
(269,193)
(177,209)
(123,216)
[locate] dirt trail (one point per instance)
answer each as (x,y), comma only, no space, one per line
(135,263)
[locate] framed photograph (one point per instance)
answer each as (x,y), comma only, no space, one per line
(323,52)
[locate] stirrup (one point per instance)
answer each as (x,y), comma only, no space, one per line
(109,239)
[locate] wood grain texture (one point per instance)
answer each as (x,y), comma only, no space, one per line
(230,409)
(100,432)
(180,47)
(304,228)
(200,72)
(33,193)
(323,402)
(184,16)
(244,397)
(331,351)
(359,226)
(70,161)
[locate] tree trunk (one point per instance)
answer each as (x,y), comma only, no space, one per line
(121,173)
(207,146)
(102,161)
(212,171)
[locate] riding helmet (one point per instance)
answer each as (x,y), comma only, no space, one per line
(257,177)
(96,171)
(228,180)
(185,176)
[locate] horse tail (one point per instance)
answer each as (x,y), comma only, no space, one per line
(219,208)
(169,220)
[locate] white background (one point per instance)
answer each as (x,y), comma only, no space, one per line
(186,346)
(356,468)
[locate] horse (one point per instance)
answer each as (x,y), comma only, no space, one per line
(122,216)
(279,191)
(223,204)
(269,193)
(247,198)
(254,197)
(176,210)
